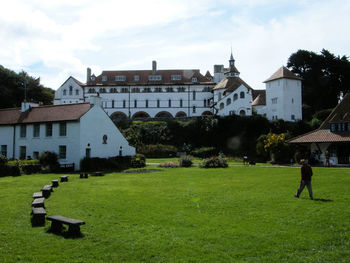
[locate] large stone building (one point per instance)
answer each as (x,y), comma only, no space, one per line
(158,93)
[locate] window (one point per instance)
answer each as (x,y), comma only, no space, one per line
(112,103)
(146,103)
(222,105)
(102,90)
(62,152)
(104,139)
(146,90)
(36,130)
(241,95)
(64,92)
(228,101)
(93,78)
(292,100)
(88,153)
(48,129)
(22,152)
(104,78)
(35,155)
(206,89)
(135,90)
(154,77)
(23,132)
(292,117)
(181,89)
(169,103)
(181,103)
(194,79)
(220,95)
(348,126)
(136,78)
(333,127)
(4,150)
(235,97)
(63,129)
(194,109)
(124,90)
(274,101)
(70,90)
(169,89)
(92,90)
(158,103)
(194,95)
(176,77)
(158,89)
(77,92)
(113,90)
(205,103)
(242,113)
(124,104)
(135,103)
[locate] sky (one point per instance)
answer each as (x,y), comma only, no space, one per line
(56,39)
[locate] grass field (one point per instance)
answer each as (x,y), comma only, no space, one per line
(238,214)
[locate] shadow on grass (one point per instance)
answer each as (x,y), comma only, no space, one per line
(323,200)
(65,233)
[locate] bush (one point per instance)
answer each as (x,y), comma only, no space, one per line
(138,161)
(169,165)
(214,162)
(186,161)
(49,161)
(13,170)
(204,152)
(117,163)
(3,160)
(157,150)
(31,168)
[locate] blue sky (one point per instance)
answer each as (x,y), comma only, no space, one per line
(57,39)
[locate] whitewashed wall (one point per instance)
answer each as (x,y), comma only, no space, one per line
(6,138)
(69,99)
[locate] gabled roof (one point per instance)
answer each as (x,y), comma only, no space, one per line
(283,73)
(75,80)
(208,75)
(186,77)
(66,112)
(259,97)
(232,69)
(323,134)
(231,84)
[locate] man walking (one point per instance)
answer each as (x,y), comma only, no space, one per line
(306,173)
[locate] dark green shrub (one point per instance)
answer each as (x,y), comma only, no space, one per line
(186,161)
(169,165)
(138,161)
(158,150)
(49,161)
(31,168)
(102,164)
(214,162)
(13,170)
(3,160)
(204,152)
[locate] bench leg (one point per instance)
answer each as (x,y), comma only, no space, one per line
(74,230)
(56,227)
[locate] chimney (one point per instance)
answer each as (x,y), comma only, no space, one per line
(154,66)
(27,105)
(96,101)
(88,75)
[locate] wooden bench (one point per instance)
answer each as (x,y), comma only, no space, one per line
(37,195)
(68,167)
(97,174)
(38,202)
(84,175)
(54,183)
(64,178)
(38,216)
(57,221)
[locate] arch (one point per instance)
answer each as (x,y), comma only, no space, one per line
(164,114)
(228,101)
(140,115)
(222,105)
(242,113)
(180,114)
(118,116)
(241,95)
(235,96)
(207,113)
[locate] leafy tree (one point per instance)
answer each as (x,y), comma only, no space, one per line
(325,75)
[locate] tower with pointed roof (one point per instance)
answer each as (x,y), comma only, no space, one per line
(283,96)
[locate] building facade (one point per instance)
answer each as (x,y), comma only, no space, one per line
(73,131)
(137,94)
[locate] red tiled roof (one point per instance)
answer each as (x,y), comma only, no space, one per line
(208,75)
(231,84)
(319,136)
(67,112)
(341,113)
(186,77)
(283,72)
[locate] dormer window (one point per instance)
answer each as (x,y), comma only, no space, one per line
(176,77)
(194,79)
(154,77)
(120,78)
(104,78)
(93,78)
(136,78)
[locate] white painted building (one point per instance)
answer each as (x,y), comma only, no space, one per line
(157,93)
(73,131)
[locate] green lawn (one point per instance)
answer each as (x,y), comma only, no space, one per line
(238,214)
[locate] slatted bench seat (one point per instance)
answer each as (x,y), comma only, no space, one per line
(64,178)
(54,183)
(37,195)
(38,216)
(57,221)
(38,202)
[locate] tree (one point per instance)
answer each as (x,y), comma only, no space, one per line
(325,75)
(12,89)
